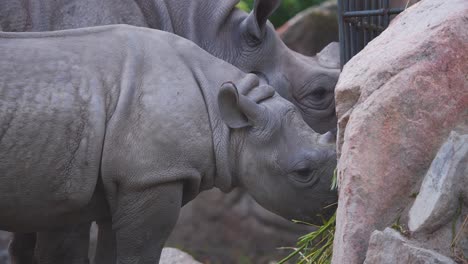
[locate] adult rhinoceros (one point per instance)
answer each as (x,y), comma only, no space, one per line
(124,125)
(247,41)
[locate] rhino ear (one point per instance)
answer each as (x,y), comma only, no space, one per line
(237,111)
(329,56)
(256,21)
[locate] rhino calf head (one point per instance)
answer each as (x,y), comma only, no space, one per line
(282,162)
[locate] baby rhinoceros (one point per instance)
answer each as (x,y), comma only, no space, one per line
(125,125)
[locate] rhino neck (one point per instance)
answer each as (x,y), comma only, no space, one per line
(210,81)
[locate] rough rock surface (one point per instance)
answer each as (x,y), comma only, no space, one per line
(390,247)
(312,29)
(442,187)
(175,256)
(397,101)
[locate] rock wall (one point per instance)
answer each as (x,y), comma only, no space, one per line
(312,29)
(397,102)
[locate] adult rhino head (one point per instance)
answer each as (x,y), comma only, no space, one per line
(248,41)
(281,161)
(307,82)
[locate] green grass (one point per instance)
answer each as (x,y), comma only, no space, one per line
(317,246)
(285,11)
(457,252)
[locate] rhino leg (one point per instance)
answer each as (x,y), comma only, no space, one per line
(64,246)
(21,248)
(142,221)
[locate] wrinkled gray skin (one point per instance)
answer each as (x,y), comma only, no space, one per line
(247,41)
(88,133)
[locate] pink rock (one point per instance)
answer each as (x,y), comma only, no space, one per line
(397,101)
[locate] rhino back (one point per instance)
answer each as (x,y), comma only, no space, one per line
(30,15)
(53,109)
(111,101)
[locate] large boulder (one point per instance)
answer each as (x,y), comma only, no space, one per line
(390,247)
(443,186)
(312,29)
(397,101)
(176,256)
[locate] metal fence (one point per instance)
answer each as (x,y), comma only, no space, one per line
(360,21)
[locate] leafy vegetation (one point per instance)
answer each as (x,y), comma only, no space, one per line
(317,246)
(287,9)
(457,252)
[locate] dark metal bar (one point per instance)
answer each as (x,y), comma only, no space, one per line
(357,30)
(366,25)
(361,21)
(347,32)
(372,22)
(341,33)
(364,21)
(348,46)
(386,18)
(351,30)
(379,17)
(376,12)
(348,41)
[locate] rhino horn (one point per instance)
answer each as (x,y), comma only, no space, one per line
(256,21)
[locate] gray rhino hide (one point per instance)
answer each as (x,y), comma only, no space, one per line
(247,41)
(99,125)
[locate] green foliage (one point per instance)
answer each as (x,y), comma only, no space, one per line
(287,9)
(456,248)
(244,6)
(334,183)
(398,227)
(315,247)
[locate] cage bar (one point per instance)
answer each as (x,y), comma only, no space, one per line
(360,21)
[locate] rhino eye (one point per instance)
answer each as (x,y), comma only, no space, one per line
(319,94)
(306,176)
